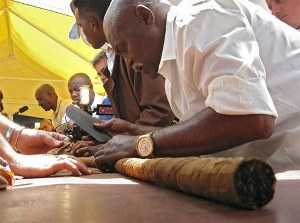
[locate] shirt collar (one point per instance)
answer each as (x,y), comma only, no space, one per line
(169,50)
(110,55)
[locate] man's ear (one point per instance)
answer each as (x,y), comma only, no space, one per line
(144,14)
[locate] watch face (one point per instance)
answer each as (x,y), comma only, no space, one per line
(145,147)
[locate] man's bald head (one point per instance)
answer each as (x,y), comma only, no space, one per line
(119,10)
(76,82)
(135,29)
(45,88)
(46,97)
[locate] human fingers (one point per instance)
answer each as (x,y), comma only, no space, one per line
(59,136)
(101,125)
(81,166)
(82,144)
(87,151)
(72,165)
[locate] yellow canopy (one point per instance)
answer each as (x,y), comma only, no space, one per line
(35,49)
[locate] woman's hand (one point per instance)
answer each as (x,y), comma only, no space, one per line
(45,165)
(31,141)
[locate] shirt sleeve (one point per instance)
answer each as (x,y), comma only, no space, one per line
(232,78)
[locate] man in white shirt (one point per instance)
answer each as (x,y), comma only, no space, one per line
(232,76)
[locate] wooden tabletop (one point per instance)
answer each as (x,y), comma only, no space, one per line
(113,198)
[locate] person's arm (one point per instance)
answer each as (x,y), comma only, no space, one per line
(4,123)
(209,132)
(120,126)
(16,129)
(205,133)
(38,165)
(30,141)
(6,151)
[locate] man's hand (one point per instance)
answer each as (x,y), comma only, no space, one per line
(83,144)
(120,146)
(120,126)
(33,141)
(115,126)
(46,165)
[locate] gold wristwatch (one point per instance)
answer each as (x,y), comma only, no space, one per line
(145,145)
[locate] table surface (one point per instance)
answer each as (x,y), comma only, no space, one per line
(114,198)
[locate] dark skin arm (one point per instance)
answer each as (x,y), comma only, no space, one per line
(121,126)
(207,132)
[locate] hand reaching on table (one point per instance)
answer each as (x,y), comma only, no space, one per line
(45,165)
(31,141)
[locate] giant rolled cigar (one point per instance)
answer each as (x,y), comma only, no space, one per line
(245,183)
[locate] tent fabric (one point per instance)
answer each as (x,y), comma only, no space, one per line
(35,49)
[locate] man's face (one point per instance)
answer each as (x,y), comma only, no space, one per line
(101,67)
(138,42)
(286,10)
(74,90)
(91,27)
(45,100)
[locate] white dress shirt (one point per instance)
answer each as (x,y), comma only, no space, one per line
(237,59)
(110,55)
(261,3)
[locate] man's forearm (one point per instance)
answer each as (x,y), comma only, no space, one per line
(4,123)
(6,151)
(210,132)
(137,129)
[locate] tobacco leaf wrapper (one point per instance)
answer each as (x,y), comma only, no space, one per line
(244,183)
